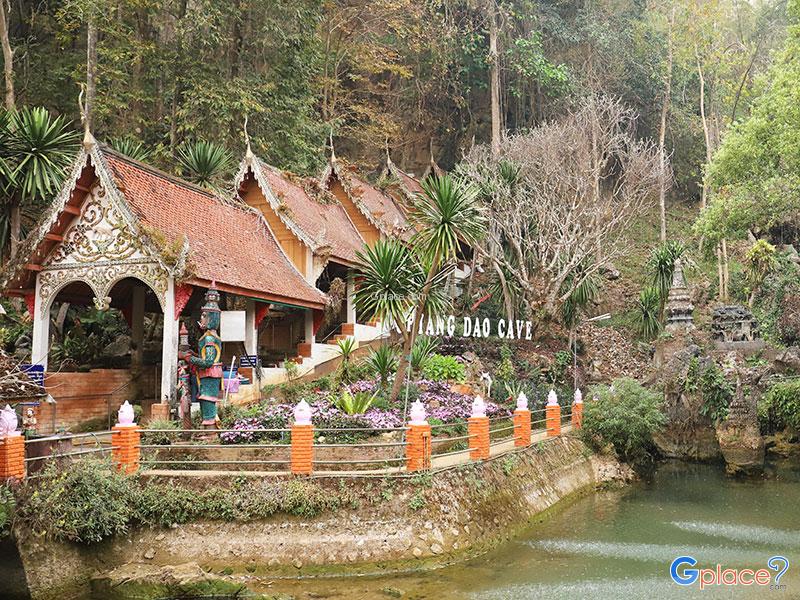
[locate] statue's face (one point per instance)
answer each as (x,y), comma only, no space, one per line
(203,322)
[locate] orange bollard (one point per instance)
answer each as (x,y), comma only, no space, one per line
(12,457)
(418,450)
(522,422)
(553,415)
(125,451)
(577,410)
(302,449)
(478,430)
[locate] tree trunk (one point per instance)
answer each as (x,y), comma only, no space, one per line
(91,71)
(706,131)
(15,225)
(494,61)
(8,55)
(725,272)
(507,302)
(662,134)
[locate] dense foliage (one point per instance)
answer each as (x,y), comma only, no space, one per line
(780,406)
(91,502)
(625,415)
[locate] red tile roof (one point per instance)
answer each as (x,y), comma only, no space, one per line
(381,206)
(326,223)
(411,184)
(228,244)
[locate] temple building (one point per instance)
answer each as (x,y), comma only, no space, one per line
(124,235)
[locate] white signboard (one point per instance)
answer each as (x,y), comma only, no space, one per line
(231,325)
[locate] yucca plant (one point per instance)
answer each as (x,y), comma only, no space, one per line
(203,162)
(424,347)
(347,347)
(661,265)
(383,362)
(648,313)
(130,147)
(36,150)
(581,297)
(353,403)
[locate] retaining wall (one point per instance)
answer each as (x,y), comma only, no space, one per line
(424,521)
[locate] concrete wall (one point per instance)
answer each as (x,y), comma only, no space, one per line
(82,397)
(466,511)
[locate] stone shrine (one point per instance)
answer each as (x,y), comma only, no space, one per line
(679,307)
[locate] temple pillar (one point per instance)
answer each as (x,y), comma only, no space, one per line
(310,276)
(137,326)
(309,325)
(40,345)
(351,299)
(169,345)
(250,329)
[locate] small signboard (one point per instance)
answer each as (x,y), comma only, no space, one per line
(34,372)
(232,326)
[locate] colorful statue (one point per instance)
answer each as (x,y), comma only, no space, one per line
(207,364)
(29,422)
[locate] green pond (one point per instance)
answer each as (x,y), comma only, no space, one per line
(620,543)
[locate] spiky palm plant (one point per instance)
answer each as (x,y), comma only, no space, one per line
(424,347)
(203,162)
(648,313)
(130,147)
(383,361)
(446,213)
(584,294)
(37,150)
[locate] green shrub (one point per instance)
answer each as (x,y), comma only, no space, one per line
(443,368)
(161,438)
(625,415)
(717,391)
(6,509)
(87,502)
(780,405)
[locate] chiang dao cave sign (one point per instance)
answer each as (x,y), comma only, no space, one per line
(477,327)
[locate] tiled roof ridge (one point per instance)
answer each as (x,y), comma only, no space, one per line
(253,164)
(334,168)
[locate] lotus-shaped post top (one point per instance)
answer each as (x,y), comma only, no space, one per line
(522,401)
(478,407)
(125,414)
(417,413)
(578,396)
(302,413)
(552,398)
(8,422)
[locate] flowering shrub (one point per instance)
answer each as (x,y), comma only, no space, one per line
(441,403)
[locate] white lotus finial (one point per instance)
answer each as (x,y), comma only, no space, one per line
(125,414)
(8,421)
(522,401)
(552,398)
(417,413)
(302,413)
(478,407)
(578,396)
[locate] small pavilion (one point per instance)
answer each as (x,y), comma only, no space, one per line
(123,235)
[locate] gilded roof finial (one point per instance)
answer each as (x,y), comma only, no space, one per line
(248,153)
(88,139)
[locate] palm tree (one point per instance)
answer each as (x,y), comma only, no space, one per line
(37,149)
(399,280)
(130,147)
(203,162)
